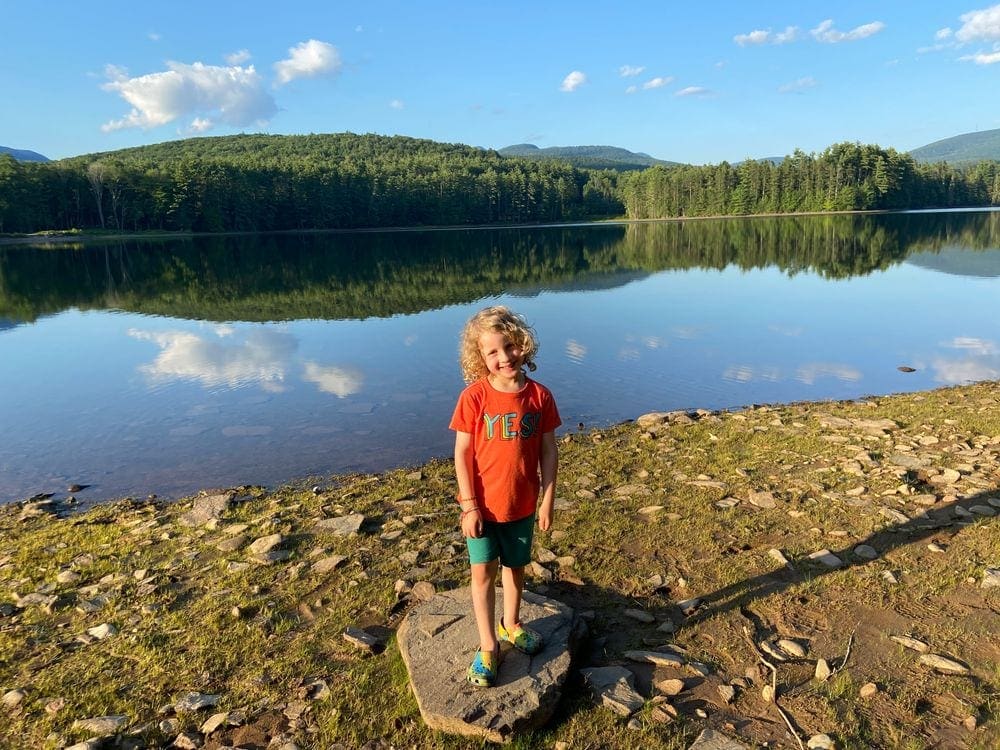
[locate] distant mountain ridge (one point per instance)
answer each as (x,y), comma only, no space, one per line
(22,154)
(962,149)
(592,157)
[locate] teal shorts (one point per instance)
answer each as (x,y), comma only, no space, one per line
(509,541)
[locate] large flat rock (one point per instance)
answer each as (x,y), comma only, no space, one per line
(438,639)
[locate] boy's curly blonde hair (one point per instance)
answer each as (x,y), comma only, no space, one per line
(498,319)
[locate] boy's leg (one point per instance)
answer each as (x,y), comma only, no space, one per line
(513,587)
(484,602)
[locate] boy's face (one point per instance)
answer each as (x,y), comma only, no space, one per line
(502,356)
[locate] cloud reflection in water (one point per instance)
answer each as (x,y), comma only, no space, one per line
(260,357)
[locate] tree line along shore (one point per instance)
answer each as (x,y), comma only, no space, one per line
(251,183)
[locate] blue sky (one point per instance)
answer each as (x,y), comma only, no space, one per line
(693,82)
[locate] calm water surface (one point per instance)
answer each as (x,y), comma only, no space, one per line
(169,367)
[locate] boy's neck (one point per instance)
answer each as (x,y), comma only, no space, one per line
(505,385)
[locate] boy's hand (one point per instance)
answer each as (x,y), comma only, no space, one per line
(472,525)
(545,515)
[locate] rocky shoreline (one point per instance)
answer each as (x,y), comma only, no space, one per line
(819,573)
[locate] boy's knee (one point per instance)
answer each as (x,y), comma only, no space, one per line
(484,573)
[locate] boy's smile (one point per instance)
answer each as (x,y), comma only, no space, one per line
(503,360)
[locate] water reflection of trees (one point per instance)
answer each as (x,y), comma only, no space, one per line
(281,277)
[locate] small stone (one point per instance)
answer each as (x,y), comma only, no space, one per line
(868,690)
(911,643)
(889,577)
(865,552)
(792,648)
(823,670)
(894,515)
(762,499)
(983,510)
(667,626)
(670,686)
(68,576)
(214,722)
(827,558)
(970,723)
(105,630)
(727,693)
(702,670)
(101,725)
(232,544)
(12,698)
(820,742)
(423,591)
(187,741)
(659,658)
(991,578)
(650,510)
(935,547)
(778,556)
(341,526)
(196,702)
(265,544)
(943,664)
(55,706)
(767,693)
(640,615)
(360,638)
(328,564)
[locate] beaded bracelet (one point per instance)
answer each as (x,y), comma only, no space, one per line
(474,509)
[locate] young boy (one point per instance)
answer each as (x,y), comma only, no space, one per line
(504,435)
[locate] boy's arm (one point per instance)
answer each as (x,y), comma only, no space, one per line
(472,523)
(549,462)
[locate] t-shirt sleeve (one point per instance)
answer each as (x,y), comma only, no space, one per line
(466,414)
(550,414)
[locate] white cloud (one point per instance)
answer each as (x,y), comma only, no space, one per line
(233,95)
(973,370)
(980,25)
(827,34)
(693,91)
(396,104)
(974,345)
(260,357)
(153,36)
(747,373)
(657,83)
(631,89)
(627,71)
(308,60)
(761,36)
(809,373)
(200,125)
(576,351)
(573,81)
(800,85)
(340,381)
(238,58)
(754,37)
(983,58)
(943,34)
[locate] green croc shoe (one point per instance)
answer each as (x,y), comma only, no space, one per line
(483,670)
(522,638)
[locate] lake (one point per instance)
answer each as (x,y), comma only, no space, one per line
(165,367)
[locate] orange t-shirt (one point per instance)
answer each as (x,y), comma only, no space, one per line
(506,431)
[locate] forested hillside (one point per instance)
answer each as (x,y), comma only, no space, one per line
(587,157)
(271,182)
(968,148)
